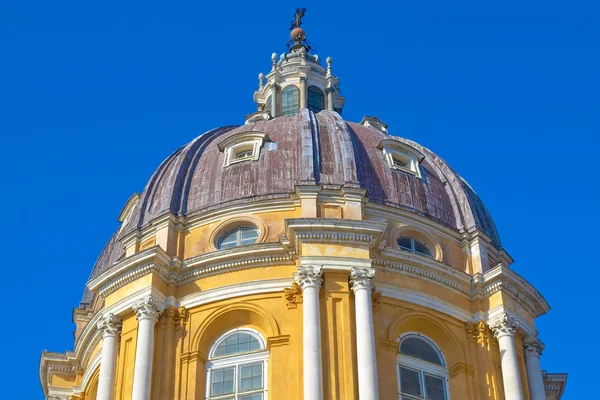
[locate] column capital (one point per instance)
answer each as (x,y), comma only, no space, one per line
(504,325)
(147,308)
(309,277)
(532,346)
(360,278)
(110,325)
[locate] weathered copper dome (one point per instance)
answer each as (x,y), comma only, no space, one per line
(307,149)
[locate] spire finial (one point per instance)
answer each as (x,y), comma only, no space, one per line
(273,61)
(298,35)
(328,65)
(261,78)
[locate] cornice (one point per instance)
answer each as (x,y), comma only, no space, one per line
(366,234)
(502,278)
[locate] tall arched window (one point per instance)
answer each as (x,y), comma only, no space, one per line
(237,367)
(316,99)
(422,371)
(290,100)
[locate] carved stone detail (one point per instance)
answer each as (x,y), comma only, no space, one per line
(110,325)
(533,346)
(478,333)
(360,278)
(503,325)
(147,308)
(293,296)
(309,277)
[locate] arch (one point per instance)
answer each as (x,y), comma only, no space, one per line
(427,340)
(90,390)
(231,316)
(290,100)
(425,237)
(425,325)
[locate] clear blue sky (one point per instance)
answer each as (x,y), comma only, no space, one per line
(94,95)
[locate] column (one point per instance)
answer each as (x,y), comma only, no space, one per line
(504,328)
(303,92)
(533,350)
(360,279)
(274,99)
(309,279)
(330,91)
(147,313)
(110,326)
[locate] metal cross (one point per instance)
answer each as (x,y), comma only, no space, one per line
(298,18)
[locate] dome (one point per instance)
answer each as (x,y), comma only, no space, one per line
(306,149)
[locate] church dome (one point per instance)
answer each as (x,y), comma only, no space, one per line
(304,150)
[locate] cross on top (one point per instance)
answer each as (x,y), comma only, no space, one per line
(298,18)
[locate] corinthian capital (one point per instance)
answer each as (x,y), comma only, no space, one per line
(532,346)
(504,325)
(147,308)
(308,277)
(360,278)
(109,325)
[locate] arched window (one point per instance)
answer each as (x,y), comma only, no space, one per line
(316,99)
(239,236)
(422,372)
(414,245)
(268,103)
(290,100)
(237,367)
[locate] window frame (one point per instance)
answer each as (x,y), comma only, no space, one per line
(317,91)
(422,367)
(284,91)
(412,243)
(395,150)
(240,142)
(237,361)
(238,239)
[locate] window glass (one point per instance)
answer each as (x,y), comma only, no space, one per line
(399,163)
(410,382)
(419,348)
(239,236)
(316,99)
(244,154)
(268,104)
(421,248)
(222,382)
(290,100)
(415,245)
(405,243)
(434,386)
(236,367)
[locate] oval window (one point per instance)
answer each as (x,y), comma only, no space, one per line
(240,236)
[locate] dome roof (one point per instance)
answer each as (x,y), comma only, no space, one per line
(308,149)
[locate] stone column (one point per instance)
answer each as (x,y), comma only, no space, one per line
(360,279)
(309,279)
(504,328)
(110,326)
(533,350)
(147,313)
(274,99)
(330,91)
(303,92)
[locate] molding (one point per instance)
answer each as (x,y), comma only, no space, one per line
(236,290)
(335,263)
(427,301)
(367,234)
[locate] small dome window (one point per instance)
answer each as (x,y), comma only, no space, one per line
(240,236)
(242,146)
(244,154)
(398,155)
(290,100)
(414,245)
(316,99)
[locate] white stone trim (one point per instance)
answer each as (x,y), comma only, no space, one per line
(236,290)
(90,369)
(335,263)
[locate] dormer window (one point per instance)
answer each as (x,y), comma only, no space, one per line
(401,157)
(242,147)
(414,245)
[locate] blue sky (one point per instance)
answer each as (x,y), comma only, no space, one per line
(94,95)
